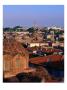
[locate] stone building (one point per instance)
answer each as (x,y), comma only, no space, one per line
(15,58)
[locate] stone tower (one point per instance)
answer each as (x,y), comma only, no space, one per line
(15,57)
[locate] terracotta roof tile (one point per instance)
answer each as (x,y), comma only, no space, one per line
(52,58)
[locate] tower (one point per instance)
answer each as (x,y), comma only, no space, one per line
(52,36)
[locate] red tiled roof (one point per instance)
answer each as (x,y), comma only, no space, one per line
(52,58)
(51,50)
(38,60)
(62,57)
(44,49)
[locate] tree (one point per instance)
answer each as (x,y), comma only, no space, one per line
(16,28)
(7,29)
(31,30)
(61,39)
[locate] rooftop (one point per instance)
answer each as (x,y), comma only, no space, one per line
(52,58)
(11,46)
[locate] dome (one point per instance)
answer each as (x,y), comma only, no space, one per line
(11,46)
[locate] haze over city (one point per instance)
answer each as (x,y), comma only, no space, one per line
(33,43)
(28,15)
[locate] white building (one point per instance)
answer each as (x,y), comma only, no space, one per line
(38,44)
(54,27)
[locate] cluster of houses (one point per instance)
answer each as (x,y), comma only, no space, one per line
(22,48)
(50,37)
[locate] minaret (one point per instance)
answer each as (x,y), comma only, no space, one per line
(52,33)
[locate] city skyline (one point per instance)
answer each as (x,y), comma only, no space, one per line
(29,15)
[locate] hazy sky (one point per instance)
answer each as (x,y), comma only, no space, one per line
(29,15)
